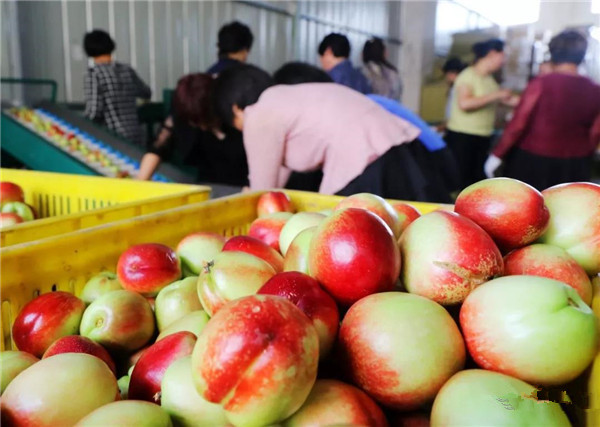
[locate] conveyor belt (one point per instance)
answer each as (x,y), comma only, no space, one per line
(39,153)
(135,152)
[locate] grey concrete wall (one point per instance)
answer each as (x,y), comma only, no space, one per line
(418,35)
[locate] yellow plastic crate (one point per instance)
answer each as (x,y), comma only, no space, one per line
(68,203)
(66,262)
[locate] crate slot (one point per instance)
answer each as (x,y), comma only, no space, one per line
(73,202)
(7,315)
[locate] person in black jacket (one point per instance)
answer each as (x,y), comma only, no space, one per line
(234,44)
(193,134)
(210,150)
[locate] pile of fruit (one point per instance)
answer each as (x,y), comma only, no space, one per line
(13,209)
(99,156)
(77,144)
(369,314)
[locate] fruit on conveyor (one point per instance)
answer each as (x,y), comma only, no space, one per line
(99,156)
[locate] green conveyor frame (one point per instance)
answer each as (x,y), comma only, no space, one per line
(33,82)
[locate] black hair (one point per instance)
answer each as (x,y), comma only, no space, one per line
(98,43)
(239,85)
(481,49)
(339,44)
(234,37)
(453,65)
(568,47)
(374,51)
(300,72)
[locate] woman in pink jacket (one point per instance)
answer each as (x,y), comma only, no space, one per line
(301,128)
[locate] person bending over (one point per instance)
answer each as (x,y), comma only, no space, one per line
(436,161)
(359,146)
(197,133)
(234,43)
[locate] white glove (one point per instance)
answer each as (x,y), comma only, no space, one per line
(491,164)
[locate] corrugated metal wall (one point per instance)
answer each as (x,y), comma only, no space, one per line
(164,40)
(6,35)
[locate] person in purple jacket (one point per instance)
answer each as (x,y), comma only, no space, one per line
(334,51)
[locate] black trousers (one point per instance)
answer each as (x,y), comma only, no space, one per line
(542,172)
(470,153)
(439,167)
(305,181)
(401,174)
(405,172)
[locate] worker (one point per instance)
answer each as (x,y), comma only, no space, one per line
(432,152)
(112,88)
(555,129)
(235,40)
(473,110)
(233,45)
(359,146)
(334,53)
(381,74)
(218,157)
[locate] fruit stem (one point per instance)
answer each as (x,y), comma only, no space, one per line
(207,266)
